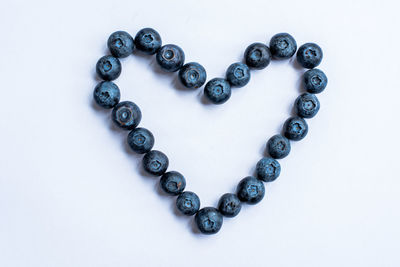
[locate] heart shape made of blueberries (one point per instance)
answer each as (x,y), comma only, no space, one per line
(171,58)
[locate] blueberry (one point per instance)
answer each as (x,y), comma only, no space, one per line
(172,183)
(315,81)
(217,90)
(108,68)
(209,220)
(188,203)
(106,94)
(126,115)
(309,55)
(307,105)
(155,162)
(257,56)
(250,190)
(148,41)
(170,57)
(295,128)
(140,140)
(238,74)
(120,44)
(282,46)
(268,169)
(192,75)
(229,205)
(278,146)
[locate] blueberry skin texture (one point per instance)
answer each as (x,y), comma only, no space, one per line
(172,183)
(309,55)
(108,68)
(188,203)
(209,220)
(257,56)
(315,81)
(238,74)
(278,146)
(268,169)
(307,105)
(192,75)
(282,46)
(295,128)
(170,57)
(218,90)
(148,41)
(155,162)
(140,140)
(126,115)
(250,190)
(106,94)
(120,44)
(229,205)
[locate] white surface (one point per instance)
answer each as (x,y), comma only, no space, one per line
(71,194)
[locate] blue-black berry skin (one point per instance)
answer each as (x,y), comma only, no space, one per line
(229,205)
(250,190)
(108,68)
(257,56)
(148,41)
(120,44)
(268,169)
(140,140)
(278,146)
(192,75)
(126,115)
(209,220)
(155,162)
(307,105)
(218,90)
(295,128)
(309,55)
(172,183)
(315,81)
(188,203)
(106,94)
(170,57)
(282,46)
(238,74)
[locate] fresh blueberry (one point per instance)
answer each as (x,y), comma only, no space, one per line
(170,57)
(257,56)
(295,128)
(188,203)
(141,140)
(278,146)
(268,169)
(126,115)
(315,81)
(155,162)
(217,90)
(307,105)
(192,75)
(238,74)
(282,46)
(120,44)
(172,183)
(209,220)
(148,41)
(229,205)
(106,94)
(250,190)
(108,68)
(309,55)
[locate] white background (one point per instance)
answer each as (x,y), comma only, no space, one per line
(71,193)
